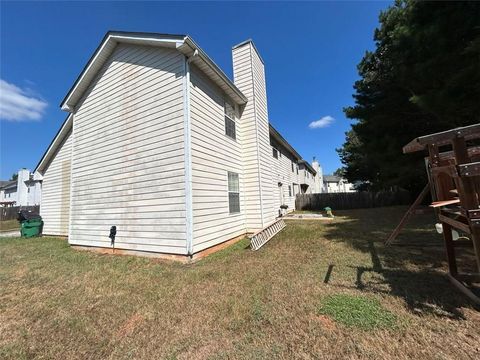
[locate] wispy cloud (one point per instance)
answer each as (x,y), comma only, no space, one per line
(18,104)
(323,122)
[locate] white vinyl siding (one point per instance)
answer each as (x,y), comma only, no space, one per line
(282,173)
(128,166)
(55,204)
(213,155)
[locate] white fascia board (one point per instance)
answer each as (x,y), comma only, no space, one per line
(64,130)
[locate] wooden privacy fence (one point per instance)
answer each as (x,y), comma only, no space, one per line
(353,200)
(10,213)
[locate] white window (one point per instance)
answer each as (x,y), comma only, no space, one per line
(230,129)
(293,170)
(289,190)
(233,193)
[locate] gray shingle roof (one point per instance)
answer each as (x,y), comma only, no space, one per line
(8,183)
(331,178)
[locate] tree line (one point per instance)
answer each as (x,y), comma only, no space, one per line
(422,77)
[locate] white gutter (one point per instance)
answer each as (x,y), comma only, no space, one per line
(188,154)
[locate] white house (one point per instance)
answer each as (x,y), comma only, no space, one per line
(161,144)
(26,190)
(337,184)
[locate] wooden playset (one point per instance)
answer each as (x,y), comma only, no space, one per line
(453,167)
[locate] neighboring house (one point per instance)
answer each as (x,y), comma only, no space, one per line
(163,145)
(26,190)
(337,184)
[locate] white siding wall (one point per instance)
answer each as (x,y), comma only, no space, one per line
(128,165)
(258,193)
(55,204)
(34,193)
(306,177)
(338,187)
(282,172)
(9,195)
(213,155)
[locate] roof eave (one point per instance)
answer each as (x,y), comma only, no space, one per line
(112,38)
(277,136)
(56,142)
(309,167)
(229,87)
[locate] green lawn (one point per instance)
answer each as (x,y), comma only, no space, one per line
(317,290)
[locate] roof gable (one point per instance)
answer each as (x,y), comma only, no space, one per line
(182,43)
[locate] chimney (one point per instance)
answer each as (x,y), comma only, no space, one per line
(22,189)
(318,187)
(249,77)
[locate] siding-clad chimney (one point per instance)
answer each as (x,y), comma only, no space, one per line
(249,77)
(318,188)
(22,189)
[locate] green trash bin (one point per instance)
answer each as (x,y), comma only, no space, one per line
(31,224)
(31,228)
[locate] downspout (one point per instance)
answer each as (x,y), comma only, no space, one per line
(188,155)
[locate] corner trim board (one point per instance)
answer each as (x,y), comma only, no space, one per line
(70,216)
(188,158)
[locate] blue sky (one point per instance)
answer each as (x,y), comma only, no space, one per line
(310,50)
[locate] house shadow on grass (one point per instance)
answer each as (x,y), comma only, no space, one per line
(415,270)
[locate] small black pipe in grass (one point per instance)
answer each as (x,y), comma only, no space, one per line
(328,274)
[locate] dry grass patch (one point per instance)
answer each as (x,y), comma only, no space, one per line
(59,303)
(8,225)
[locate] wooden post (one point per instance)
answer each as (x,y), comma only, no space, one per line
(450,249)
(467,192)
(408,214)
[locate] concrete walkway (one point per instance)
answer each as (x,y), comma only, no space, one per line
(12,233)
(306,216)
